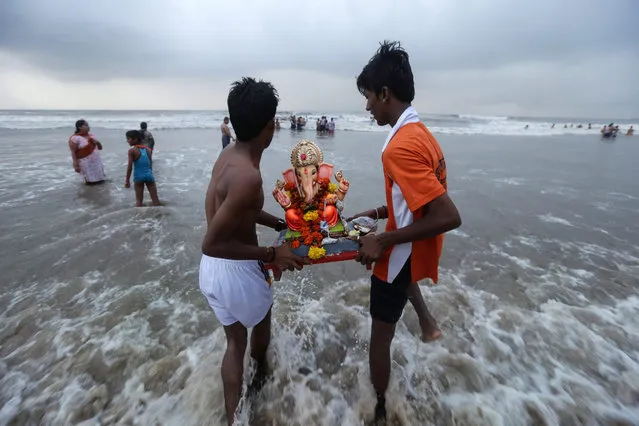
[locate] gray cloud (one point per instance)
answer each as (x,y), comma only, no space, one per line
(75,40)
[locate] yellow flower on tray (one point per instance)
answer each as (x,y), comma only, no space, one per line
(311,216)
(316,252)
(332,188)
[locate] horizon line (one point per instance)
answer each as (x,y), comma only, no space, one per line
(309,111)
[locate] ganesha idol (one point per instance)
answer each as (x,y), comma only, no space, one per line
(311,201)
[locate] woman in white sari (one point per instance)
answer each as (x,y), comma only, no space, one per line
(84,152)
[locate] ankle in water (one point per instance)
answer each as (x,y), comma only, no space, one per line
(380,408)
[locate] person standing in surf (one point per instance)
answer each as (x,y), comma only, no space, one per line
(84,153)
(331,126)
(141,163)
(418,209)
(146,138)
(226,133)
(232,274)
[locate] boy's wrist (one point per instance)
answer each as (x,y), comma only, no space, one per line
(381,212)
(280,225)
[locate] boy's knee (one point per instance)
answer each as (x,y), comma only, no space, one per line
(382,332)
(237,343)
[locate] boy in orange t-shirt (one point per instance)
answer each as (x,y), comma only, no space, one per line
(418,209)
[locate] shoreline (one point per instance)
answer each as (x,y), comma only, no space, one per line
(306,134)
(439,124)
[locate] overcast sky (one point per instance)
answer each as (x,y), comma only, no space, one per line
(573,58)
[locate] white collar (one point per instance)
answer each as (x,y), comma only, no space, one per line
(408,116)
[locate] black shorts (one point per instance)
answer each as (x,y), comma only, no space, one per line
(388,299)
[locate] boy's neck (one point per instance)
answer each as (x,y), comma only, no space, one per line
(397,112)
(253,149)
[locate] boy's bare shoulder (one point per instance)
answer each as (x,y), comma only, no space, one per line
(246,177)
(236,174)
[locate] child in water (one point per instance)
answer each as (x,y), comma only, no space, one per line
(140,162)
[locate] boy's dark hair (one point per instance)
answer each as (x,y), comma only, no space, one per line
(388,67)
(252,104)
(133,134)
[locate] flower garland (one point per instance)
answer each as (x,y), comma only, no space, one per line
(312,214)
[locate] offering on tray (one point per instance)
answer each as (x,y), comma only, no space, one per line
(313,206)
(312,203)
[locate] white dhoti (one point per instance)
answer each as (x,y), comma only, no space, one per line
(237,290)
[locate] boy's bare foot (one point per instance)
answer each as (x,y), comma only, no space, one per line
(157,203)
(138,204)
(430,330)
(380,412)
(259,379)
(434,335)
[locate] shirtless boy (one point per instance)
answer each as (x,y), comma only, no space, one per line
(232,274)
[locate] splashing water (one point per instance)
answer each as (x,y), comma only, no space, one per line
(102,322)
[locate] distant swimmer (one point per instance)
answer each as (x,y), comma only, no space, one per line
(331,126)
(579,126)
(589,126)
(609,130)
(226,133)
(526,126)
(277,124)
(630,131)
(553,126)
(565,126)
(324,124)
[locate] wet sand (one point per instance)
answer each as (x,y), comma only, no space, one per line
(101,318)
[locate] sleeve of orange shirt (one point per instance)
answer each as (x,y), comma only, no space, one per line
(414,173)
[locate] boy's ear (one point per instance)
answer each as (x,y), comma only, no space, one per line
(384,94)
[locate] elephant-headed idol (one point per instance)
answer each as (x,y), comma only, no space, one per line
(307,195)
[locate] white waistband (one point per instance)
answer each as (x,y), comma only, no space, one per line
(230,261)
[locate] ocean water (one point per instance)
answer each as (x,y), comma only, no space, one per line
(438,123)
(102,321)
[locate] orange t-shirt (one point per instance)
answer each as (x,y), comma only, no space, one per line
(414,175)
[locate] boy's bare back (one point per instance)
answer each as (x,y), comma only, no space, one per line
(234,200)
